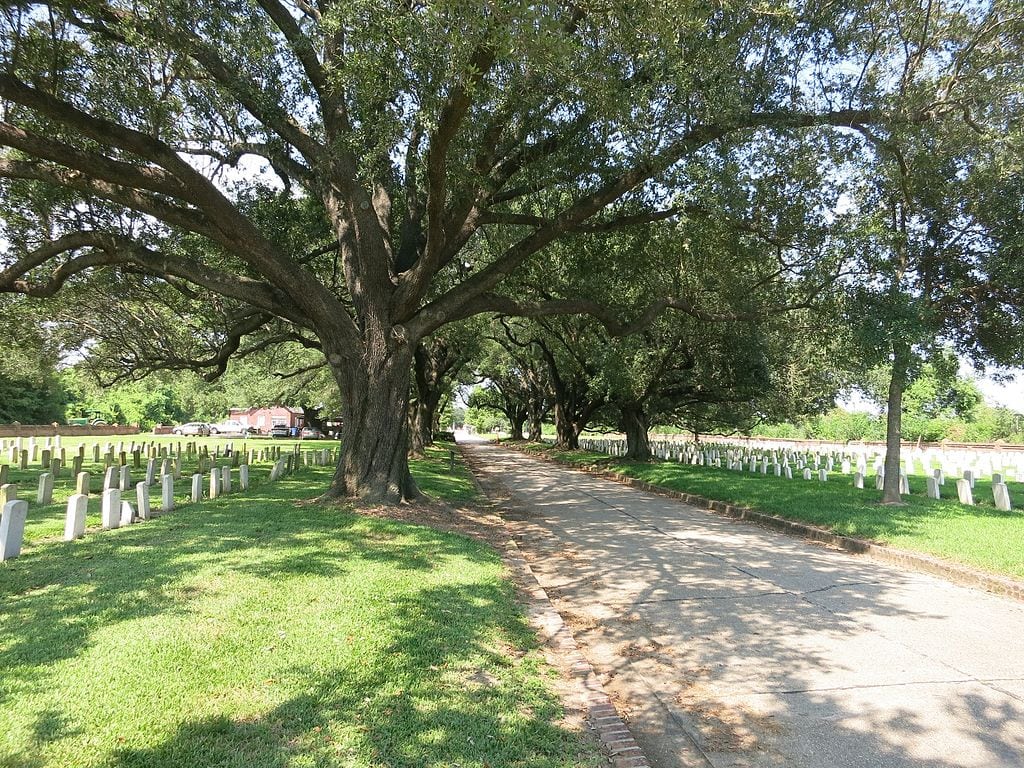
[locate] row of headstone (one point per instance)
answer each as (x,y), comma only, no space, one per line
(116,511)
(811,463)
(982,462)
(118,475)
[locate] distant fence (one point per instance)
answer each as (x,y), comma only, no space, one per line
(65,430)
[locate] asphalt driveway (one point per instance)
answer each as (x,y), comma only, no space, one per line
(726,644)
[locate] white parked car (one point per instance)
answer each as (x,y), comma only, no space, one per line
(229,427)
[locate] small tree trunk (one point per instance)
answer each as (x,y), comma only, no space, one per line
(421,431)
(374,465)
(566,435)
(536,432)
(634,424)
(416,441)
(516,425)
(893,423)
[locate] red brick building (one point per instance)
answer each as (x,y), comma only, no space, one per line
(263,419)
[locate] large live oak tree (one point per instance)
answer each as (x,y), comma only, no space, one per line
(418,131)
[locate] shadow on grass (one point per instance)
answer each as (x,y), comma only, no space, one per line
(58,593)
(409,710)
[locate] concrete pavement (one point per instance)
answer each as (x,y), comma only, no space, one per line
(726,644)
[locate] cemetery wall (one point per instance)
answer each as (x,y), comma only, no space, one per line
(66,430)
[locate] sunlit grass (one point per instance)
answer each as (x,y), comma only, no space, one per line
(263,630)
(979,536)
(443,475)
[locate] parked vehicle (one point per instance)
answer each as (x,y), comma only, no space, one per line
(200,428)
(280,430)
(229,427)
(308,433)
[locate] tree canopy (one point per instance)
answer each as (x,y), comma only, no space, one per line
(435,148)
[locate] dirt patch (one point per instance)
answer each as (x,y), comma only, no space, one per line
(475,522)
(578,622)
(724,728)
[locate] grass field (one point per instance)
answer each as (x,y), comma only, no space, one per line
(48,521)
(978,536)
(267,630)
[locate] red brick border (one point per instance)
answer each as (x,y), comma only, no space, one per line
(958,574)
(618,743)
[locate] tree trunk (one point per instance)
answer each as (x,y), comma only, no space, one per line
(566,435)
(634,424)
(374,465)
(421,427)
(536,432)
(516,422)
(893,423)
(417,444)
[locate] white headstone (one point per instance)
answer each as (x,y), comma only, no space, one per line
(125,481)
(243,477)
(197,488)
(904,484)
(963,490)
(807,473)
(74,521)
(969,477)
(167,500)
(788,470)
(823,475)
(858,480)
(110,508)
(214,483)
(225,480)
(127,513)
(12,528)
(150,471)
(1001,494)
(44,495)
(142,499)
(940,476)
(110,478)
(933,488)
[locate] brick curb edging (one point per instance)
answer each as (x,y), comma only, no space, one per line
(617,741)
(958,574)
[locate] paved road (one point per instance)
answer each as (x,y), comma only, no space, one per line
(730,645)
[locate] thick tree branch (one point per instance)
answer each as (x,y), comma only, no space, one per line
(188,219)
(98,166)
(300,44)
(451,304)
(103,249)
(610,319)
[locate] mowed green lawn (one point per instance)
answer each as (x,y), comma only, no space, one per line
(48,520)
(269,630)
(978,536)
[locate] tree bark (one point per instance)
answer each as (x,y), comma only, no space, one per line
(634,424)
(417,441)
(536,432)
(422,419)
(893,423)
(516,425)
(374,464)
(566,435)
